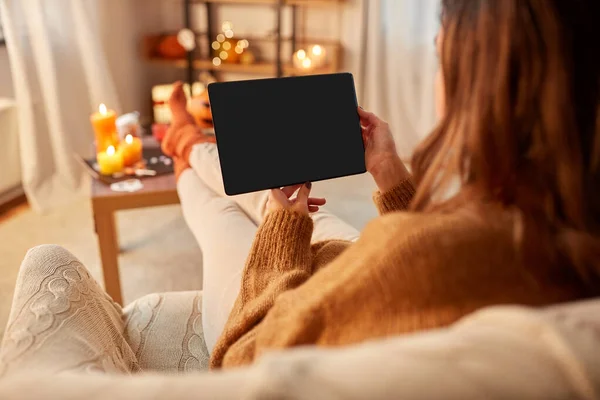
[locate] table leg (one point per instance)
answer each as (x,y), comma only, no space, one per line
(109,253)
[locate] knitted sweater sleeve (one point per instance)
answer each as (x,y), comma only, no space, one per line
(395,199)
(406,272)
(280,259)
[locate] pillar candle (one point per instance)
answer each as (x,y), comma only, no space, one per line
(110,161)
(105,128)
(317,56)
(131,149)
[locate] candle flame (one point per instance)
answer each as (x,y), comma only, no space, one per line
(129,139)
(307,63)
(301,54)
(103,109)
(317,50)
(110,150)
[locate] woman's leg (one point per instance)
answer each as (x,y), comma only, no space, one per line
(204,159)
(189,147)
(225,234)
(61,320)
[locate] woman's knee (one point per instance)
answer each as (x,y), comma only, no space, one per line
(45,258)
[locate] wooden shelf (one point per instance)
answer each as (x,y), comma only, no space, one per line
(307,3)
(201,59)
(333,47)
(259,68)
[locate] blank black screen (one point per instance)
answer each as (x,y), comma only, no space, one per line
(278,132)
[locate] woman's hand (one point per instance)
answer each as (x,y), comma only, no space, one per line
(381,158)
(280,199)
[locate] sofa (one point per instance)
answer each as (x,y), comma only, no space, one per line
(154,348)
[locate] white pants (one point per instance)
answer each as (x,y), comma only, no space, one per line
(225,228)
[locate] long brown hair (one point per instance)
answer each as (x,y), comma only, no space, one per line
(522,123)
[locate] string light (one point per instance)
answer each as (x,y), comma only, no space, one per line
(307,63)
(223,46)
(301,54)
(226,26)
(317,50)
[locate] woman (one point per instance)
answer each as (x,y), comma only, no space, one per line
(517,96)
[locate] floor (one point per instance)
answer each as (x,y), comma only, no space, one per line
(158,252)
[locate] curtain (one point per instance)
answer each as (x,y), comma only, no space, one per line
(60,77)
(398,66)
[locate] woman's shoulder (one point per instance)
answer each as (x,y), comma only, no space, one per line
(478,229)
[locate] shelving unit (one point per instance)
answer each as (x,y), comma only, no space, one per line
(195,61)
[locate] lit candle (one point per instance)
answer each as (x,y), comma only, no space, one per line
(110,161)
(299,58)
(105,128)
(131,150)
(317,56)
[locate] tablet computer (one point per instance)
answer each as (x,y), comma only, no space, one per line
(285,131)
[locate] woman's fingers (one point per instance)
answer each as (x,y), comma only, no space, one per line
(317,201)
(313,209)
(290,190)
(279,197)
(303,193)
(368,118)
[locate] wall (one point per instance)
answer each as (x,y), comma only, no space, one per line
(6,88)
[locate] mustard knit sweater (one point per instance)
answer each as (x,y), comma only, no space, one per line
(407,272)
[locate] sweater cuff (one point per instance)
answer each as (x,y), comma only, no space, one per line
(284,236)
(395,199)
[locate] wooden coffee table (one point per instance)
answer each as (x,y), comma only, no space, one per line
(157,191)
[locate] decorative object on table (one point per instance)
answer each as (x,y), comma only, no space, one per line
(129,124)
(226,48)
(110,161)
(153,163)
(160,100)
(169,47)
(128,186)
(131,150)
(105,128)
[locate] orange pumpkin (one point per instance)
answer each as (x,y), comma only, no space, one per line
(169,47)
